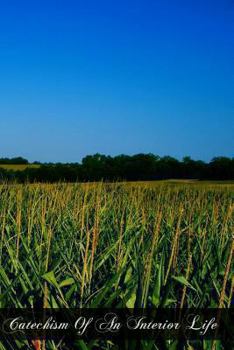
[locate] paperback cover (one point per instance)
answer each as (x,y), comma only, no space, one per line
(116,175)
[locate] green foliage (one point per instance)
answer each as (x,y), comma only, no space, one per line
(99,167)
(120,245)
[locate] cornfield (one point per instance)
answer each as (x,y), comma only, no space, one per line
(116,245)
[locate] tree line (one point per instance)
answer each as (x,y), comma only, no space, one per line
(122,167)
(15,160)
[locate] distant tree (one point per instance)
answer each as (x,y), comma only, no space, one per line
(94,166)
(169,167)
(16,160)
(221,168)
(19,160)
(193,169)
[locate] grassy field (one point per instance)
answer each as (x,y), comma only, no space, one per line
(19,167)
(124,245)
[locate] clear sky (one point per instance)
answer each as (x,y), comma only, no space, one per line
(80,77)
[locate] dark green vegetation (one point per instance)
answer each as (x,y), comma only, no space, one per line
(15,160)
(132,168)
(120,245)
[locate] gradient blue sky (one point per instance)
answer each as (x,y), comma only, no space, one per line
(80,77)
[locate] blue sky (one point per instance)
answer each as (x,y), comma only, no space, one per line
(80,77)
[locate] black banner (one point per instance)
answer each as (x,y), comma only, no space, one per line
(190,324)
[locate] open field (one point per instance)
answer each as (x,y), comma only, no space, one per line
(124,245)
(19,167)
